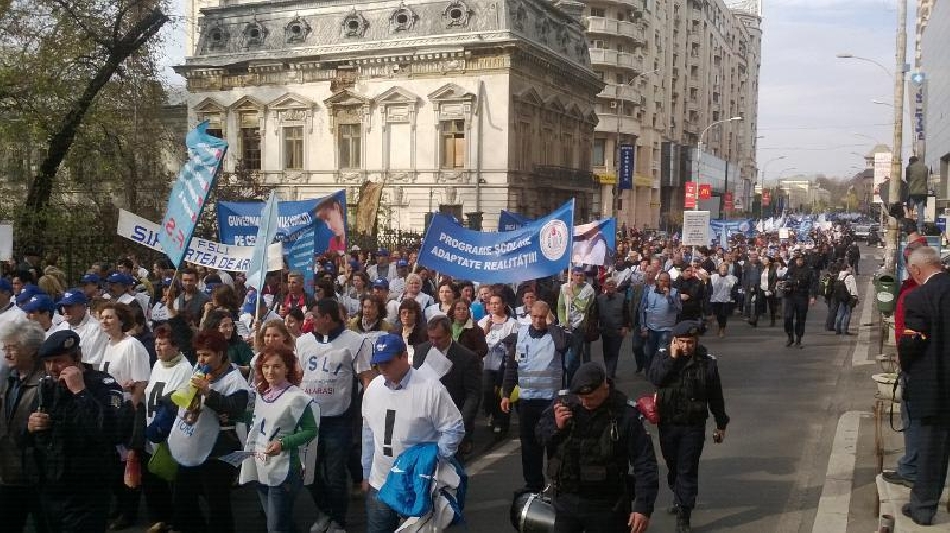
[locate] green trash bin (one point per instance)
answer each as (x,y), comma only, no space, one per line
(885,288)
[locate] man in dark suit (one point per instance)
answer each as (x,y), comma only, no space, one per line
(463,378)
(924,347)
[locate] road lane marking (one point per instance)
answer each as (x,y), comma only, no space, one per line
(835,502)
(492,457)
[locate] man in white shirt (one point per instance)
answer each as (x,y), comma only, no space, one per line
(331,357)
(119,285)
(397,284)
(401,408)
(381,291)
(383,268)
(92,340)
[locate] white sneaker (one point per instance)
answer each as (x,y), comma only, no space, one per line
(335,528)
(322,524)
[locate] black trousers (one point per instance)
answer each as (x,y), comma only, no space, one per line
(611,348)
(796,312)
(17,502)
(126,499)
(933,454)
(681,447)
(637,342)
(721,310)
(573,514)
(532,452)
(491,380)
(158,495)
(76,509)
(212,480)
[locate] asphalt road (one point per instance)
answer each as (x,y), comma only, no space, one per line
(766,477)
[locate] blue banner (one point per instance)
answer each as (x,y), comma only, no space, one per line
(595,243)
(190,191)
(625,170)
(308,228)
(539,249)
(720,229)
(508,221)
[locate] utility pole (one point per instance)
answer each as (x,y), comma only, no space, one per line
(893,237)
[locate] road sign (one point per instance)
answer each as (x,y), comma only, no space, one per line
(695,228)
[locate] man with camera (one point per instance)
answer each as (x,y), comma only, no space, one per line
(800,291)
(597,439)
(688,388)
(73,432)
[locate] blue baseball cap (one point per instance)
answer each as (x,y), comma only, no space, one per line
(28,291)
(74,296)
(382,253)
(89,278)
(167,281)
(386,348)
(39,302)
(402,263)
(577,270)
(329,267)
(119,277)
(6,286)
(381,283)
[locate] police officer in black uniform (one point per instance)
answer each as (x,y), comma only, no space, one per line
(688,388)
(800,291)
(597,439)
(73,433)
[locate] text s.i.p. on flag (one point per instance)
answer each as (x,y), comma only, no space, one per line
(190,191)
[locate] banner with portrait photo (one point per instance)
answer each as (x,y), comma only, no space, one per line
(595,243)
(539,249)
(238,222)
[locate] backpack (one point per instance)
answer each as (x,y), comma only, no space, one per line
(841,291)
(826,285)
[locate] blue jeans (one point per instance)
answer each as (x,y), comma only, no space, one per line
(655,341)
(278,503)
(329,490)
(919,203)
(579,352)
(843,320)
(380,518)
(907,465)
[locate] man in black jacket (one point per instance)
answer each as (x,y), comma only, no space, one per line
(688,388)
(923,348)
(596,439)
(752,288)
(801,291)
(73,433)
(463,379)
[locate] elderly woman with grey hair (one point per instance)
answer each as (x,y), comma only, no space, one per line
(19,498)
(414,291)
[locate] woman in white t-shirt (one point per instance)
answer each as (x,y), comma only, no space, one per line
(126,360)
(721,298)
(497,325)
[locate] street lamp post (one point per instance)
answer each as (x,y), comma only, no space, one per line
(702,146)
(765,167)
(617,138)
(780,174)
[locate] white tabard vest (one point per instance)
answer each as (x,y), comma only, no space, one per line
(191,444)
(329,368)
(273,420)
(539,367)
(497,351)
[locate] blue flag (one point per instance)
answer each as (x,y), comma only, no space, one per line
(190,191)
(266,232)
(508,221)
(540,248)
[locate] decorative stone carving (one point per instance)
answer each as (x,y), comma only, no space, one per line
(297,30)
(254,34)
(457,14)
(294,176)
(349,177)
(519,17)
(402,19)
(217,35)
(402,177)
(451,176)
(354,24)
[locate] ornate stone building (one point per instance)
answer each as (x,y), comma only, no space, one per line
(468,106)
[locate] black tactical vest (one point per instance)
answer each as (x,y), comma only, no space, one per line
(683,403)
(589,462)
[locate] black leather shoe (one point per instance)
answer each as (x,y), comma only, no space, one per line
(893,477)
(790,342)
(682,524)
(673,509)
(906,511)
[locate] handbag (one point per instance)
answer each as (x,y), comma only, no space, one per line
(853,302)
(646,404)
(162,464)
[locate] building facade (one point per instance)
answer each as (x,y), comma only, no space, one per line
(935,64)
(671,69)
(463,106)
